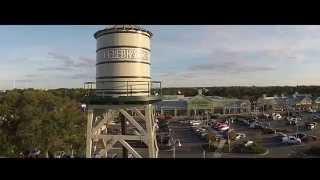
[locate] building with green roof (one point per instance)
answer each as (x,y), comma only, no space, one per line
(201,104)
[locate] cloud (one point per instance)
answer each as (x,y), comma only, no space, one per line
(23,80)
(67,63)
(54,69)
(229,67)
(224,61)
(85,62)
(58,56)
(82,76)
(31,75)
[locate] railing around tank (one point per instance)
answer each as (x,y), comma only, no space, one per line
(128,87)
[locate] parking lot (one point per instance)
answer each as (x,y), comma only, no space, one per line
(192,141)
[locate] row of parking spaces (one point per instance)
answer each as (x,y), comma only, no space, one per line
(275,128)
(215,131)
(282,131)
(275,134)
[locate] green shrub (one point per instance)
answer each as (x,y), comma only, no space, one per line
(252,149)
(208,148)
(268,131)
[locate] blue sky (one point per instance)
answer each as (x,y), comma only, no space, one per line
(64,56)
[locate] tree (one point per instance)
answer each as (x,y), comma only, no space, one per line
(40,119)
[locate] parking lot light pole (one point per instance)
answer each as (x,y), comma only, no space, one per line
(174,151)
(297,124)
(229,139)
(174,143)
(174,148)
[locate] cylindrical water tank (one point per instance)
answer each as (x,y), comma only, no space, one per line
(123,61)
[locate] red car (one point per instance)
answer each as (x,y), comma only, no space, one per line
(220,126)
(223,127)
(216,125)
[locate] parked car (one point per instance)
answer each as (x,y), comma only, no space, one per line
(195,123)
(291,140)
(312,125)
(268,131)
(199,131)
(256,125)
(266,115)
(217,124)
(312,110)
(292,122)
(203,135)
(315,117)
(243,122)
(248,143)
(239,136)
(279,136)
(223,127)
(301,135)
(276,116)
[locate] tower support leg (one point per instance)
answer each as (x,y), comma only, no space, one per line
(89,133)
(141,120)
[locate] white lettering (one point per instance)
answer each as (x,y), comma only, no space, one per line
(126,53)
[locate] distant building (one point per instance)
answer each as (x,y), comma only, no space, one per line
(316,104)
(302,102)
(178,105)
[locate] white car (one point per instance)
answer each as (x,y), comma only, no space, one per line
(223,127)
(203,134)
(281,134)
(266,115)
(248,143)
(291,140)
(276,116)
(311,125)
(200,130)
(239,136)
(195,123)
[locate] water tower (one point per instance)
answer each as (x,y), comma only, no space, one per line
(120,109)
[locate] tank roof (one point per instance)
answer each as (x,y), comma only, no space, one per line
(121,28)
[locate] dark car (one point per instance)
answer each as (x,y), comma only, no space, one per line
(279,136)
(259,126)
(292,122)
(301,135)
(268,131)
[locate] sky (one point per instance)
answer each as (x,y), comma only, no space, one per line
(181,56)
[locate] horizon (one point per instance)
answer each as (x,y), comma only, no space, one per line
(169,87)
(53,57)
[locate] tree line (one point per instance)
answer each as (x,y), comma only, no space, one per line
(47,120)
(245,92)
